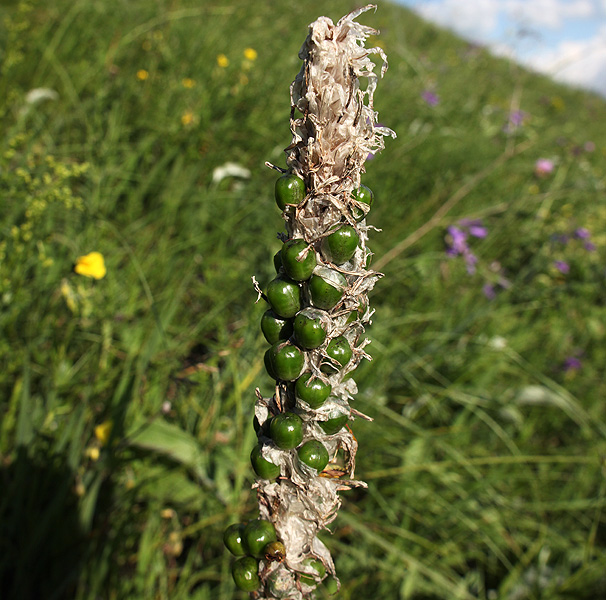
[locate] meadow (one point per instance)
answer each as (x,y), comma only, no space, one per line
(127,389)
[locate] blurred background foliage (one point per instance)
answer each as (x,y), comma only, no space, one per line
(127,400)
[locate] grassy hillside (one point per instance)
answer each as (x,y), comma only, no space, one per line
(127,401)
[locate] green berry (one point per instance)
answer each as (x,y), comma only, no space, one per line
(274,552)
(245,572)
(283,295)
(363,195)
(314,454)
(274,327)
(261,466)
(232,538)
(317,566)
(286,430)
(257,534)
(330,585)
(312,390)
(309,330)
(338,350)
(335,422)
(326,287)
(341,245)
(284,361)
(298,259)
(290,190)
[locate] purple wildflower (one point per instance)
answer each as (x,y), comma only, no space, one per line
(572,363)
(458,242)
(516,117)
(562,266)
(430,97)
(470,260)
(582,233)
(489,291)
(589,246)
(589,147)
(543,167)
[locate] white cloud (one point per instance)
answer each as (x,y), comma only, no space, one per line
(474,19)
(579,62)
(547,13)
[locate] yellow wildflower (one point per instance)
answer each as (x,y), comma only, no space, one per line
(222,60)
(142,74)
(93,453)
(103,431)
(91,265)
(188,82)
(250,54)
(187,118)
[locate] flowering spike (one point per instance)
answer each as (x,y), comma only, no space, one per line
(322,285)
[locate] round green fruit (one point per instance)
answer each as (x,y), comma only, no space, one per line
(245,572)
(284,361)
(317,566)
(340,246)
(363,195)
(309,330)
(330,585)
(257,534)
(283,295)
(312,390)
(232,538)
(314,454)
(338,350)
(274,327)
(335,422)
(286,430)
(326,287)
(261,466)
(274,552)
(289,190)
(298,259)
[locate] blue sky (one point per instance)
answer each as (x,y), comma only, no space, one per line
(563,38)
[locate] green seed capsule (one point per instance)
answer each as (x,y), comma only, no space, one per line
(286,430)
(317,566)
(284,361)
(275,328)
(309,329)
(334,423)
(364,195)
(232,538)
(340,351)
(283,295)
(326,288)
(274,552)
(257,534)
(245,572)
(330,585)
(314,454)
(312,390)
(261,466)
(289,190)
(298,259)
(341,245)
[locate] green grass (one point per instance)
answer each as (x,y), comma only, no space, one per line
(485,461)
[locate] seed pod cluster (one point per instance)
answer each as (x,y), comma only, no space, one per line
(317,312)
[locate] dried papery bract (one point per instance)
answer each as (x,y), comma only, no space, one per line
(334,128)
